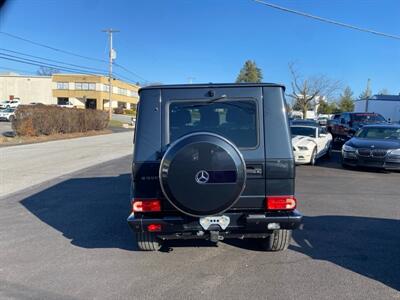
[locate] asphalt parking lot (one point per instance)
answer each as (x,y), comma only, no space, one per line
(5,127)
(68,239)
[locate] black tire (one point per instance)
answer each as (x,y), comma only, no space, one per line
(147,241)
(279,240)
(344,165)
(329,152)
(313,159)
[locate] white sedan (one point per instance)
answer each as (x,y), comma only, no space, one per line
(310,143)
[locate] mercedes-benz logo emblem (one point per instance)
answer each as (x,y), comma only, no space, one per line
(202,177)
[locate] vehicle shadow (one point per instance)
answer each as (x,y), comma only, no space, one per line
(367,246)
(91,212)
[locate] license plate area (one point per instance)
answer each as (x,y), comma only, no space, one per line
(221,221)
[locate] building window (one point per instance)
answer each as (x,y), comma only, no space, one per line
(133,93)
(86,86)
(106,88)
(122,91)
(62,85)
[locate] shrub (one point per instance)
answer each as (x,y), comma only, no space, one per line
(35,120)
(131,112)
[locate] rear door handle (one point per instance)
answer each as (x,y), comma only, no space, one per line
(253,170)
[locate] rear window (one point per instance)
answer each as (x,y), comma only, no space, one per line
(234,120)
(367,118)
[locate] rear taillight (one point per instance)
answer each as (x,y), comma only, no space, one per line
(154,227)
(280,202)
(146,205)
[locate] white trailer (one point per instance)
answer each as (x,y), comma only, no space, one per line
(386,105)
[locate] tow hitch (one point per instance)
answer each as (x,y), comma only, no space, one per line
(215,237)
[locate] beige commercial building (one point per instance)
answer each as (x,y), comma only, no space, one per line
(82,91)
(27,88)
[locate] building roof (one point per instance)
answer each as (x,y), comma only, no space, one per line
(383,98)
(11,74)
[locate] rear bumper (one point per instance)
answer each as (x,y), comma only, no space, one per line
(242,225)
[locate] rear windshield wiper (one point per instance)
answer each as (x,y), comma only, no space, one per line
(202,103)
(216,99)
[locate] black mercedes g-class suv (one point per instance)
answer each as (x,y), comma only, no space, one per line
(213,161)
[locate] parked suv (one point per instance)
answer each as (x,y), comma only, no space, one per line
(343,126)
(213,161)
(9,103)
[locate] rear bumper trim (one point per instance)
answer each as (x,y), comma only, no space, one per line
(241,224)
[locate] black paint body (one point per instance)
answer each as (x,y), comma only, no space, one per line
(269,167)
(375,153)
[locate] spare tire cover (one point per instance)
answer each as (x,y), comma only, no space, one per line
(202,174)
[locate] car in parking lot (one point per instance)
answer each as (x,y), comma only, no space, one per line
(305,122)
(10,103)
(374,146)
(344,125)
(310,143)
(7,114)
(213,161)
(323,120)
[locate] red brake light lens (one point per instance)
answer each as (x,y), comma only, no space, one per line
(281,202)
(154,227)
(148,205)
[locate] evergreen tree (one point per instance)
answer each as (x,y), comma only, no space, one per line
(250,72)
(324,107)
(346,102)
(334,108)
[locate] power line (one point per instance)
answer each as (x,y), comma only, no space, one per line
(53,60)
(41,64)
(70,53)
(130,72)
(64,63)
(51,48)
(300,13)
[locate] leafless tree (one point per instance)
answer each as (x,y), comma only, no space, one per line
(305,91)
(47,71)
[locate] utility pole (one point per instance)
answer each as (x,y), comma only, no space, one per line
(190,79)
(368,94)
(112,56)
